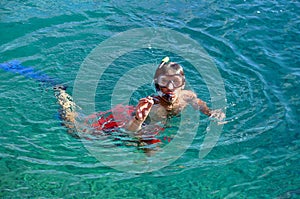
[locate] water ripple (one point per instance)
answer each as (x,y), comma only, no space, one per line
(255,47)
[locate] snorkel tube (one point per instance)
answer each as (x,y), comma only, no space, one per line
(163,61)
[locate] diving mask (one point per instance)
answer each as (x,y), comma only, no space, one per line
(176,80)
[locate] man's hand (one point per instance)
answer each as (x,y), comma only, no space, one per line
(143,108)
(218,114)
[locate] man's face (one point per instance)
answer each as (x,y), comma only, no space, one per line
(170,86)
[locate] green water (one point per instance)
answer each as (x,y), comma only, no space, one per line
(255,46)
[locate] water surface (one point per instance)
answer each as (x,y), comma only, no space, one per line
(255,46)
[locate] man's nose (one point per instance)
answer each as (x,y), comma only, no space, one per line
(170,85)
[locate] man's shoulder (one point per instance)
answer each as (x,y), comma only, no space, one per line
(188,95)
(188,92)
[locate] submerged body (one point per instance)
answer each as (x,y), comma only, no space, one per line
(171,100)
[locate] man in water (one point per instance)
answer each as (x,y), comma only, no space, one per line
(169,80)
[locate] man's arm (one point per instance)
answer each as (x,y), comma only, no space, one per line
(134,124)
(198,104)
(142,110)
(191,98)
(201,105)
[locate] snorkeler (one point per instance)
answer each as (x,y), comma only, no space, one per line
(169,80)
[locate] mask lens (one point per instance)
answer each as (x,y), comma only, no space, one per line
(163,81)
(176,80)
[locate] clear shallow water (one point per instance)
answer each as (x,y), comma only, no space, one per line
(255,46)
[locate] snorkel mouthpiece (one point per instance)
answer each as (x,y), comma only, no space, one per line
(168,97)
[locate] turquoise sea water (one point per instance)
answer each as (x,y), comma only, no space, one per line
(254,44)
